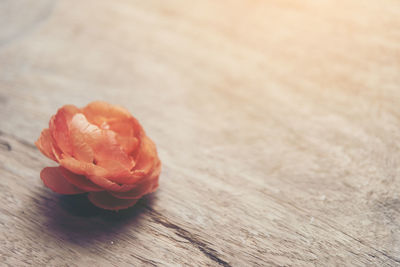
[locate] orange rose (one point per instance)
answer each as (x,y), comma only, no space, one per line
(103,150)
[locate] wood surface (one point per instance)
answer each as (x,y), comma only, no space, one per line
(277,122)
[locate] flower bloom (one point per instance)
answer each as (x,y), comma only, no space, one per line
(103,150)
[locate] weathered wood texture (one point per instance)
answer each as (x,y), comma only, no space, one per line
(278,124)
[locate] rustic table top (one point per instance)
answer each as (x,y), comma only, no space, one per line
(277,122)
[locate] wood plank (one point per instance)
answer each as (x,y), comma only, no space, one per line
(276,122)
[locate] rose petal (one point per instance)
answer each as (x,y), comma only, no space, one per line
(81,150)
(128,143)
(80,181)
(57,153)
(103,143)
(44,144)
(127,131)
(147,161)
(53,179)
(94,173)
(82,168)
(99,112)
(117,119)
(145,185)
(59,128)
(117,172)
(109,185)
(106,201)
(143,188)
(102,149)
(140,190)
(146,157)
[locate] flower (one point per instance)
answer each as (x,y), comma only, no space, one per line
(103,150)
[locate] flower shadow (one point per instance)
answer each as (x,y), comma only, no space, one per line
(74,219)
(80,206)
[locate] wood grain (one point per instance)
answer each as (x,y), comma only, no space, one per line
(277,123)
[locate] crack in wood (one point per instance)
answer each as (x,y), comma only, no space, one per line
(145,261)
(195,241)
(5,145)
(371,247)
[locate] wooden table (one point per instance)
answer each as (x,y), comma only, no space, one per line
(278,124)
